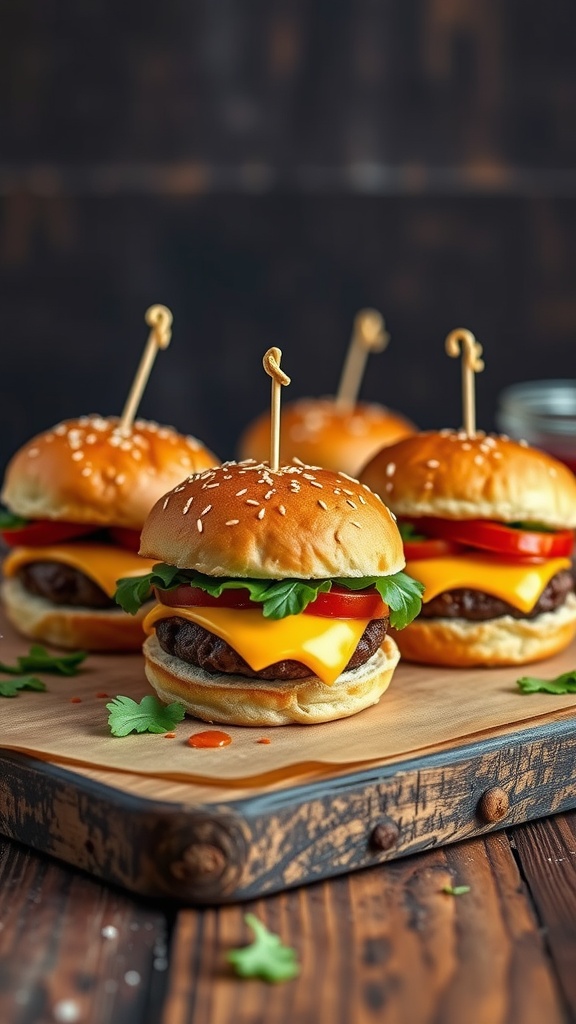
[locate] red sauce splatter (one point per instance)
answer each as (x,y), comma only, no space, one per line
(210,738)
(169,735)
(264,740)
(75,700)
(101,694)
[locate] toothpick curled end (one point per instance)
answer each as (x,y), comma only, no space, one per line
(368,335)
(462,342)
(271,363)
(159,319)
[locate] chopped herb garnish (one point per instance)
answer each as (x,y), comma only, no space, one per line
(266,957)
(278,598)
(12,687)
(150,715)
(565,683)
(39,659)
(455,890)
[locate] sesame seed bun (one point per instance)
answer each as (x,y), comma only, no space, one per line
(84,471)
(237,700)
(320,433)
(301,522)
(452,476)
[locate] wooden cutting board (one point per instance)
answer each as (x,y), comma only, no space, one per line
(216,840)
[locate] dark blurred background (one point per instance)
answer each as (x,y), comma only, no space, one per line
(266,168)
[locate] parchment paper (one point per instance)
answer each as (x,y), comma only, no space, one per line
(424,708)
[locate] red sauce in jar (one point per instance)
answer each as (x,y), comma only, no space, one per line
(210,738)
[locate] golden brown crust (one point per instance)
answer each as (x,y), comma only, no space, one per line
(83,471)
(318,432)
(447,474)
(502,641)
(89,629)
(236,700)
(243,520)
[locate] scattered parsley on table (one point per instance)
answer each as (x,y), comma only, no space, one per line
(266,957)
(150,715)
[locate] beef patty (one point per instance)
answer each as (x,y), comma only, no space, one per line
(196,645)
(477,607)
(61,584)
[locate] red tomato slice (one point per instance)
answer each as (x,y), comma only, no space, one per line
(338,603)
(433,547)
(505,540)
(44,531)
(184,595)
(125,537)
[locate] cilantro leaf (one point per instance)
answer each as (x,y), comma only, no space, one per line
(455,890)
(10,521)
(39,659)
(150,715)
(11,687)
(565,683)
(278,598)
(266,957)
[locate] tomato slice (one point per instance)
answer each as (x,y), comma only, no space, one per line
(338,603)
(44,531)
(430,547)
(184,595)
(505,540)
(125,537)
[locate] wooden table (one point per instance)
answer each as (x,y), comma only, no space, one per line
(382,944)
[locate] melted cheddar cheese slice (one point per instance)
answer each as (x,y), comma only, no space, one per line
(324,645)
(102,563)
(520,585)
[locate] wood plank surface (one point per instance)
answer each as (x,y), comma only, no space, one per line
(547,856)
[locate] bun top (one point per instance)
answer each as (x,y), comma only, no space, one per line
(83,471)
(450,475)
(241,519)
(318,432)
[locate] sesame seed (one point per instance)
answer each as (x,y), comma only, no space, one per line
(432,463)
(346,477)
(136,454)
(207,509)
(390,469)
(199,525)
(252,501)
(523,443)
(120,478)
(232,522)
(186,506)
(308,476)
(346,491)
(354,523)
(270,493)
(33,452)
(166,500)
(282,510)
(466,446)
(208,486)
(323,504)
(240,493)
(337,490)
(497,455)
(351,503)
(261,513)
(478,459)
(314,483)
(362,499)
(181,487)
(77,456)
(86,471)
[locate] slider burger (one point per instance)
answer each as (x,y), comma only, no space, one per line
(77,496)
(274,590)
(322,432)
(488,527)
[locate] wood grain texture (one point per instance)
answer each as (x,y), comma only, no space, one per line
(73,950)
(386,943)
(547,856)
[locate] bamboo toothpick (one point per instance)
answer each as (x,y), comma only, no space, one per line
(368,335)
(159,319)
(271,363)
(463,342)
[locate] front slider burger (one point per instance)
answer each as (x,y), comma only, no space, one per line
(76,497)
(275,590)
(488,526)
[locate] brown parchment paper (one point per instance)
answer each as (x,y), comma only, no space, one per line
(424,709)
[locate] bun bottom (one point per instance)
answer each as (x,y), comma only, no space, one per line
(501,641)
(91,629)
(238,700)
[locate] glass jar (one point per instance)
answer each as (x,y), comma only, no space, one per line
(543,412)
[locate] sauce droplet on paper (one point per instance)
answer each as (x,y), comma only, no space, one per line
(210,738)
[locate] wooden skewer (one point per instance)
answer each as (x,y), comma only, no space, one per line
(271,362)
(462,342)
(368,335)
(159,319)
